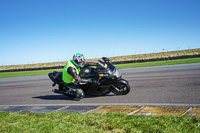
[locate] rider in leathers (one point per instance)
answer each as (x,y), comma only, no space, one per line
(71,73)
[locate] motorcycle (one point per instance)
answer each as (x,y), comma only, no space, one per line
(108,77)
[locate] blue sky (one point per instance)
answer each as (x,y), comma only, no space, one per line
(37,31)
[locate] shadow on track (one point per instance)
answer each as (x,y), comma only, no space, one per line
(54,97)
(63,97)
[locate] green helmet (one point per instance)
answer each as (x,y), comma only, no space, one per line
(79,60)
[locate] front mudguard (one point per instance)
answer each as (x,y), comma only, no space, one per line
(123,81)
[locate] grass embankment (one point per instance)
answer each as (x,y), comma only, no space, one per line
(119,66)
(87,123)
(157,56)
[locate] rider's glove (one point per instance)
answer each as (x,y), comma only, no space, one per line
(76,82)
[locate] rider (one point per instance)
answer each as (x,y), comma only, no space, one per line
(71,73)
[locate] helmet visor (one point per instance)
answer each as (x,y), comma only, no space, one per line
(81,59)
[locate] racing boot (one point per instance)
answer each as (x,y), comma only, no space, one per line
(79,94)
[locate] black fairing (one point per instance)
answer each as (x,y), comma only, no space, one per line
(87,72)
(104,82)
(56,77)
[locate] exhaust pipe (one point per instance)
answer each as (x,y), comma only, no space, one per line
(59,91)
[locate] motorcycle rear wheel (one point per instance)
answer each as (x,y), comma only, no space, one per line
(120,88)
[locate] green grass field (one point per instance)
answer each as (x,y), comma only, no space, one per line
(95,123)
(26,73)
(119,66)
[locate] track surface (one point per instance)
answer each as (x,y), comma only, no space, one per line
(161,85)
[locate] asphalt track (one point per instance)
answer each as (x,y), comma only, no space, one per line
(171,85)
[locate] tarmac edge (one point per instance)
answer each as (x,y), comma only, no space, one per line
(148,110)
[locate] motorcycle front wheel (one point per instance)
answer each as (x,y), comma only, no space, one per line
(120,87)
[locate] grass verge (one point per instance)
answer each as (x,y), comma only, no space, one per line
(158,63)
(27,73)
(119,66)
(98,123)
